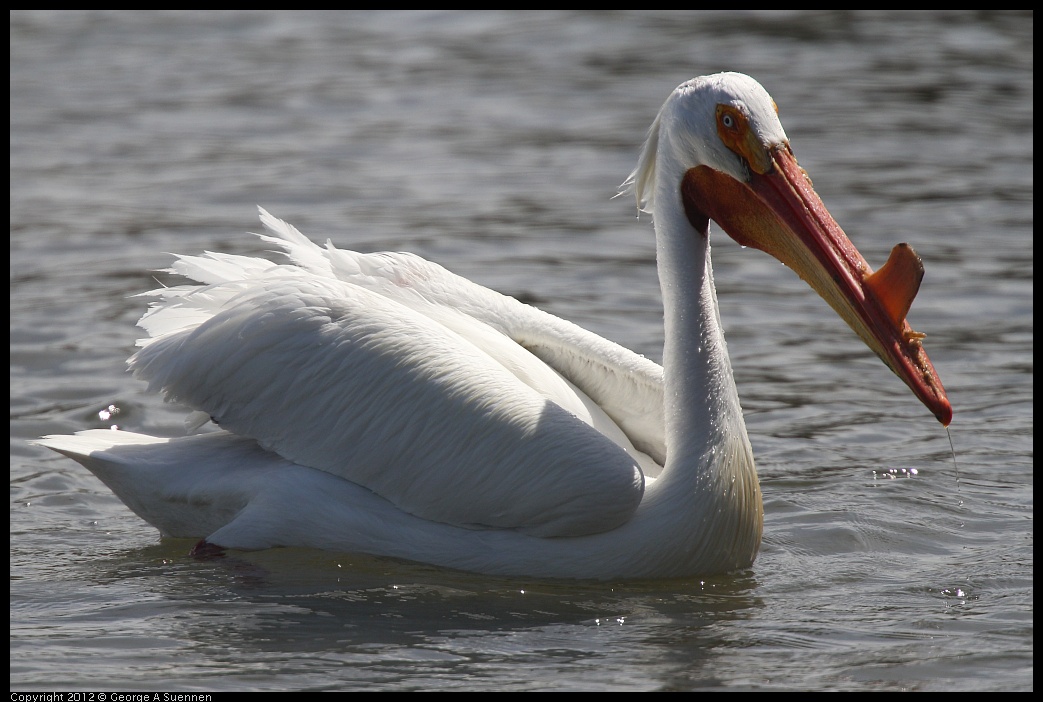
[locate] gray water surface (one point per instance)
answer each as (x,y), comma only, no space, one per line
(493,143)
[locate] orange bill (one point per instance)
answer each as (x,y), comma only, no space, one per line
(779,212)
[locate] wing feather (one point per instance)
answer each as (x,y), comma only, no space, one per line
(389,371)
(335,377)
(625,386)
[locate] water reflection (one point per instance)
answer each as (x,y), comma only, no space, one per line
(394,616)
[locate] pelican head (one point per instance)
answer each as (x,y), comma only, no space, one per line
(719,141)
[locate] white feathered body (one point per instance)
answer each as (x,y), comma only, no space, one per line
(378,403)
(322,374)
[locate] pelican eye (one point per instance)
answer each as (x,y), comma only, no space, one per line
(735,132)
(730,119)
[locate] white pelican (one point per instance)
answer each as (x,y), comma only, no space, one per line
(377,403)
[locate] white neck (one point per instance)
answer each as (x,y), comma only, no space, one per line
(702,403)
(708,492)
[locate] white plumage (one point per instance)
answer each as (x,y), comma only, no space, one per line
(378,403)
